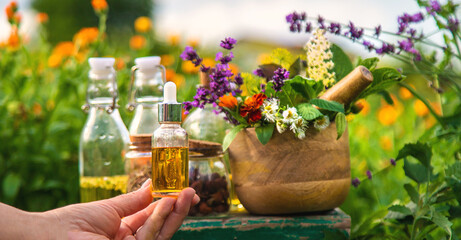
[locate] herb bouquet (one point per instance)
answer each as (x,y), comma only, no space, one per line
(286,150)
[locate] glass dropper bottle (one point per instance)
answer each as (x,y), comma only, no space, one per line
(170,148)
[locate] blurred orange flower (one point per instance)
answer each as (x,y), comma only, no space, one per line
(170,73)
(228,101)
(173,39)
(405,93)
(385,142)
(208,62)
(99,5)
(234,68)
(17,18)
(167,60)
(86,36)
(429,122)
(189,67)
(10,11)
(193,42)
(54,61)
(42,17)
(364,106)
(119,64)
(37,109)
(420,109)
(13,40)
(387,115)
(137,42)
(142,24)
(179,80)
(61,51)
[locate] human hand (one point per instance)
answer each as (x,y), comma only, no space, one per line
(129,216)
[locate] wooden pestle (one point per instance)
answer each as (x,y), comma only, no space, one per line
(348,88)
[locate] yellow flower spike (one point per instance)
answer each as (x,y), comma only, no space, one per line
(142,24)
(264,58)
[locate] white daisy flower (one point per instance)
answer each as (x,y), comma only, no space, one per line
(281,126)
(269,109)
(290,115)
(322,123)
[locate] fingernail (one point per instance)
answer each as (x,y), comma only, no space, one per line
(146,183)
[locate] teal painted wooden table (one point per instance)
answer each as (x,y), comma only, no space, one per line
(241,226)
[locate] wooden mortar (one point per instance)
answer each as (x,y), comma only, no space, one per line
(288,175)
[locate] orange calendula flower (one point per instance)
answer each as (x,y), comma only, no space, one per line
(13,40)
(99,5)
(170,73)
(142,24)
(209,62)
(173,39)
(119,64)
(179,80)
(54,60)
(167,60)
(228,101)
(42,17)
(385,142)
(420,109)
(66,49)
(189,67)
(405,93)
(364,106)
(137,42)
(193,42)
(86,36)
(9,13)
(234,68)
(251,107)
(387,115)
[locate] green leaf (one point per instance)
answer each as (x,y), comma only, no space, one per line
(400,209)
(414,195)
(421,151)
(382,79)
(415,171)
(264,133)
(343,64)
(369,63)
(387,97)
(454,170)
(341,123)
(328,105)
(11,184)
(308,112)
(236,115)
(442,221)
(231,135)
(307,88)
(295,68)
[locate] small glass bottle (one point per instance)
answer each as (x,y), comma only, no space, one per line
(147,79)
(104,139)
(170,148)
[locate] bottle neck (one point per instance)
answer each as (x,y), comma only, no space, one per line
(148,86)
(102,88)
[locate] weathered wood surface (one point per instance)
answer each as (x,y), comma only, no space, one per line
(244,226)
(288,175)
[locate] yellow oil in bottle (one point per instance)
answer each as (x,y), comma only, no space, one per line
(97,188)
(170,170)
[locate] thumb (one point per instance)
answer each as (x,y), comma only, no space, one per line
(133,202)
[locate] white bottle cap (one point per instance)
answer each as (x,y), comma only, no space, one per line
(147,63)
(169,93)
(101,64)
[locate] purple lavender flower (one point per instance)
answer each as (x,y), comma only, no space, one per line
(204,68)
(238,79)
(368,45)
(224,59)
(228,43)
(190,54)
(355,182)
(434,7)
(279,78)
(369,175)
(263,87)
(321,22)
(405,45)
(386,48)
(378,30)
(308,27)
(393,162)
(453,24)
(354,33)
(259,72)
(412,32)
(295,20)
(417,17)
(187,107)
(335,28)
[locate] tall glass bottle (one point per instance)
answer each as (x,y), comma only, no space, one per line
(104,139)
(170,148)
(147,79)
